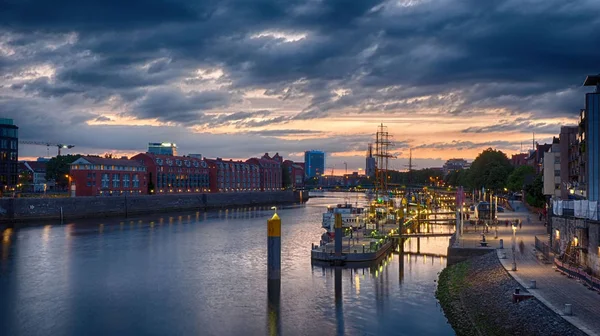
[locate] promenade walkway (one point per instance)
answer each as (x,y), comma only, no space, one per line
(553,288)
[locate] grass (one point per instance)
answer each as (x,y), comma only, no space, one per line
(452,283)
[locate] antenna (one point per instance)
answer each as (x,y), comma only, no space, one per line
(533,142)
(410,166)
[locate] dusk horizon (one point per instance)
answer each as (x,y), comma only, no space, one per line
(237,79)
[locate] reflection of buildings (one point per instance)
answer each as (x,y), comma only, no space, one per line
(9,152)
(162,148)
(314,163)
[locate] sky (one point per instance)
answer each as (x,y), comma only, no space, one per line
(238,78)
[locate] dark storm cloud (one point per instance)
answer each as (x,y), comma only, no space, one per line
(460,145)
(459,57)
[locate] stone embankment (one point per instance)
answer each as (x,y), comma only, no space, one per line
(476,296)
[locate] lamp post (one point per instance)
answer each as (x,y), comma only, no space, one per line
(514,247)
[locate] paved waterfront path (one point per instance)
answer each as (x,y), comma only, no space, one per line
(553,288)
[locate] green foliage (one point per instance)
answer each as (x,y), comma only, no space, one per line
(516,180)
(458,178)
(490,169)
(57,169)
(420,176)
(534,194)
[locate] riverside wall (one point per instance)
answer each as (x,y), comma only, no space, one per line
(28,209)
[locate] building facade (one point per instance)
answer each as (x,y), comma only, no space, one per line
(371,163)
(591,140)
(162,148)
(270,172)
(36,170)
(314,163)
(175,174)
(233,176)
(569,160)
(551,171)
(96,176)
(517,160)
(9,155)
(296,174)
(455,164)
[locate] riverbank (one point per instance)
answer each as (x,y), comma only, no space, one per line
(476,296)
(29,209)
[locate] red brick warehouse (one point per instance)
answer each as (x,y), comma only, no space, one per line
(96,176)
(175,174)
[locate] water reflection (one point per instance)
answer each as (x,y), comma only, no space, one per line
(204,273)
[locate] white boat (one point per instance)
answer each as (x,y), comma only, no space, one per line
(352,216)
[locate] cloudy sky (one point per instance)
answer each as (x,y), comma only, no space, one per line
(238,78)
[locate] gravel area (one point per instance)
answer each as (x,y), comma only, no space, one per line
(476,296)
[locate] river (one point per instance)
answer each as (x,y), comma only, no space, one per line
(204,273)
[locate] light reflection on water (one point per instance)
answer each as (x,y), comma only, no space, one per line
(205,273)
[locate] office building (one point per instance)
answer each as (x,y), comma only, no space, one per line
(591,140)
(96,176)
(162,148)
(314,163)
(9,154)
(371,163)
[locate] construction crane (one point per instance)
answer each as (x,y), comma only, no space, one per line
(47,144)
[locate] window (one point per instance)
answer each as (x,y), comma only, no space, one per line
(89,183)
(557,186)
(104,180)
(136,181)
(116,181)
(557,173)
(126,181)
(557,160)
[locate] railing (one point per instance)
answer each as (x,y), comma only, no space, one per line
(542,247)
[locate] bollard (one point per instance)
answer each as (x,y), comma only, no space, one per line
(568,309)
(501,244)
(274,248)
(532,284)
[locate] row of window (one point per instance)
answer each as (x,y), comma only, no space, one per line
(116,183)
(8,144)
(9,132)
(8,156)
(107,167)
(183,170)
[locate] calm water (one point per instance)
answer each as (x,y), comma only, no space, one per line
(205,274)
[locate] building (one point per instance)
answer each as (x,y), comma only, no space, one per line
(96,176)
(162,148)
(536,157)
(9,154)
(581,188)
(551,170)
(569,160)
(174,174)
(233,176)
(270,172)
(36,171)
(517,160)
(314,162)
(296,174)
(455,164)
(371,163)
(591,139)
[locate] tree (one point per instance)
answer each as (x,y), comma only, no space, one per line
(490,170)
(516,180)
(57,169)
(534,194)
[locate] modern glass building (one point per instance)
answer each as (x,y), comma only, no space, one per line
(9,154)
(162,148)
(591,140)
(314,163)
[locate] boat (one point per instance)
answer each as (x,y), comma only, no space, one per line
(352,216)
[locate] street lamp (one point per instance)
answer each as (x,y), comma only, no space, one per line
(514,247)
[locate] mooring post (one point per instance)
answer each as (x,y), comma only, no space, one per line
(338,234)
(274,247)
(61,215)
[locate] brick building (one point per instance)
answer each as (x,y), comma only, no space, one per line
(270,172)
(518,160)
(233,176)
(96,176)
(175,174)
(295,172)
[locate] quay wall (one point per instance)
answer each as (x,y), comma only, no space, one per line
(27,209)
(458,254)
